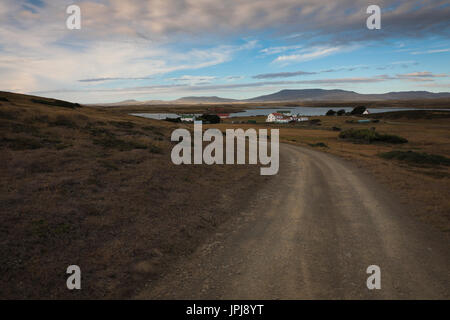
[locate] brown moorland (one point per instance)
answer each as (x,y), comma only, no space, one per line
(94,186)
(88,187)
(424,186)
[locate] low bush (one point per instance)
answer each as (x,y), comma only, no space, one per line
(412,114)
(370,136)
(175,120)
(209,118)
(358,110)
(318,144)
(417,158)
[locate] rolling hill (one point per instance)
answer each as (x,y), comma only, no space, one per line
(343,95)
(295,95)
(213,99)
(80,181)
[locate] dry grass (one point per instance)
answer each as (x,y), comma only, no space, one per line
(425,189)
(95,187)
(87,187)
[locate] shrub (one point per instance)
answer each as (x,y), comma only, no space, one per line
(210,118)
(341,112)
(417,158)
(318,144)
(369,136)
(391,138)
(331,112)
(175,120)
(358,110)
(412,114)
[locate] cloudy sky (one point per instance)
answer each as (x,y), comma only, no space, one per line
(166,49)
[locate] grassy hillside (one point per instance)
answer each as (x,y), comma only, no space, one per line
(84,186)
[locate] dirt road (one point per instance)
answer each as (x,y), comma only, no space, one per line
(311,234)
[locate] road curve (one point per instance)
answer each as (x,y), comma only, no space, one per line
(311,233)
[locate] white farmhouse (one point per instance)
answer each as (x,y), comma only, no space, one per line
(274,117)
(278,117)
(366,111)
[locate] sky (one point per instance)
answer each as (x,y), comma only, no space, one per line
(167,49)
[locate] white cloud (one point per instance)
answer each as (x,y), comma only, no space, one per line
(26,69)
(431,51)
(276,50)
(194,80)
(137,39)
(233,78)
(422,74)
(49,56)
(309,54)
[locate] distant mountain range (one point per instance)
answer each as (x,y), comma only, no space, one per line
(213,99)
(300,95)
(343,95)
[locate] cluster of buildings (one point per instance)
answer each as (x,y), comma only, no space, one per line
(284,117)
(276,117)
(193,117)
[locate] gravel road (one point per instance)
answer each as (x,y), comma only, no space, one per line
(311,234)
